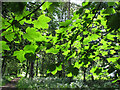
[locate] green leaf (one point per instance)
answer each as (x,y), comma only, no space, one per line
(54,72)
(59,68)
(66,52)
(66,23)
(94,37)
(86,47)
(41,22)
(9,35)
(85,3)
(3,46)
(20,55)
(32,35)
(69,74)
(104,53)
(52,50)
(90,38)
(111,3)
(109,36)
(112,52)
(61,30)
(113,21)
(46,5)
(111,59)
(93,69)
(109,11)
(87,11)
(86,40)
(30,48)
(115,81)
(77,65)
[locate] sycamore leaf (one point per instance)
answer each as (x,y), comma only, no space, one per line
(4,46)
(30,48)
(20,55)
(46,5)
(32,35)
(66,23)
(41,22)
(52,50)
(9,35)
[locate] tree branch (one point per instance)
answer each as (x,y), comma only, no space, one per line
(25,16)
(32,12)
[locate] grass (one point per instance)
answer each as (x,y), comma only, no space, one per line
(55,82)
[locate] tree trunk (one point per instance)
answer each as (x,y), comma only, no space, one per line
(84,70)
(92,78)
(27,68)
(32,69)
(3,67)
(42,65)
(69,9)
(37,68)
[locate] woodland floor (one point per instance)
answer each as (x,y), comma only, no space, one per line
(11,85)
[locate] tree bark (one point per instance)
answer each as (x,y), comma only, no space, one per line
(32,69)
(69,9)
(84,70)
(27,68)
(37,68)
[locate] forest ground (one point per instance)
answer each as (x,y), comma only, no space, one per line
(11,85)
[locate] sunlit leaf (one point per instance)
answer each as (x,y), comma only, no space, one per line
(52,50)
(32,35)
(66,52)
(30,48)
(59,68)
(20,55)
(69,75)
(46,5)
(54,72)
(111,59)
(112,51)
(42,22)
(77,65)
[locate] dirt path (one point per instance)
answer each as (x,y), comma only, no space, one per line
(11,85)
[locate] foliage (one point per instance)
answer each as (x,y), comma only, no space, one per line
(88,41)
